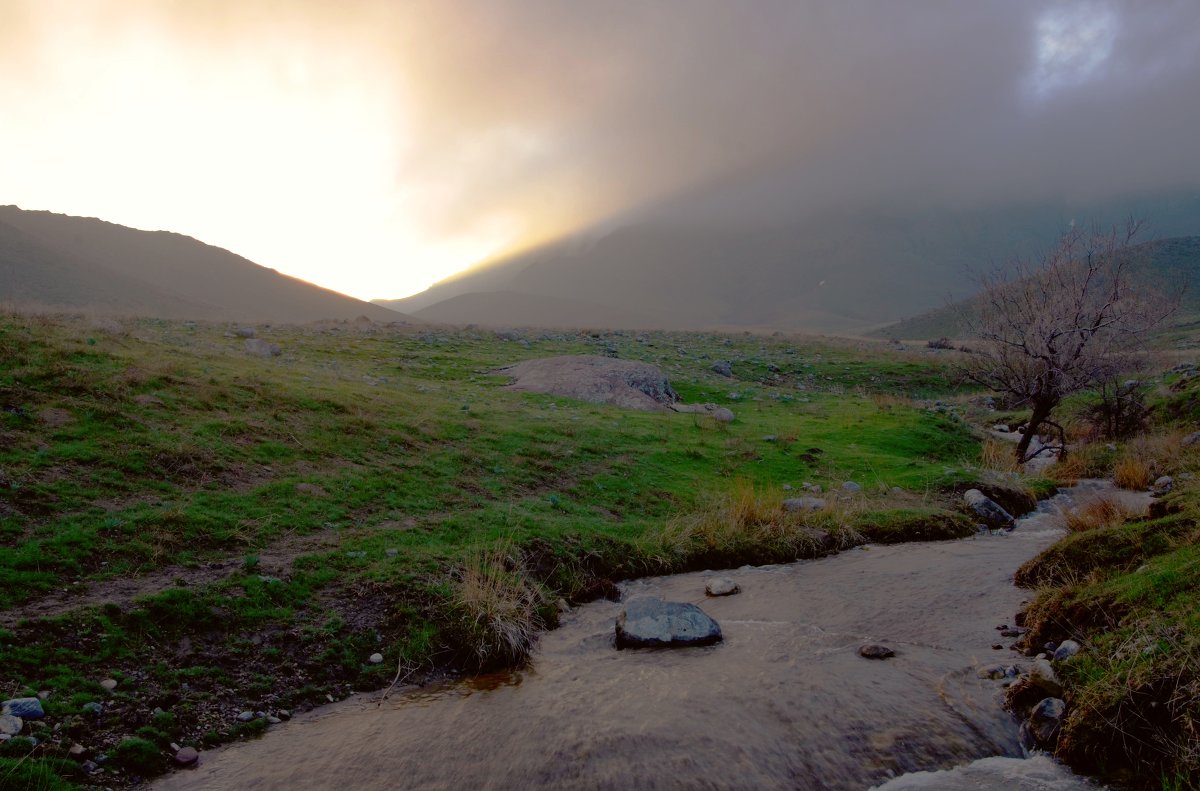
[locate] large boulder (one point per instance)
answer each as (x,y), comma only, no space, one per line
(650,622)
(988,511)
(599,380)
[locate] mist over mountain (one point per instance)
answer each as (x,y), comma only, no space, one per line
(738,258)
(55,261)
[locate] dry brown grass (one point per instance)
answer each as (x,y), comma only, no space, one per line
(1147,457)
(497,603)
(1095,513)
(750,524)
(998,456)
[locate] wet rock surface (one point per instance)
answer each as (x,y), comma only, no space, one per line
(649,622)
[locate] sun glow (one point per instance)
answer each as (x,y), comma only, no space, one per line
(1073,43)
(292,155)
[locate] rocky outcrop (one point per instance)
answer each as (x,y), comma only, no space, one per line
(650,622)
(599,380)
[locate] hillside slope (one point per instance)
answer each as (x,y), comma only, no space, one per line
(79,263)
(1171,264)
(694,265)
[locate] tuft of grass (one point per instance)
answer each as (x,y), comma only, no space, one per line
(1133,472)
(497,606)
(998,456)
(1095,513)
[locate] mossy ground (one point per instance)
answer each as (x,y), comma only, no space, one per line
(296,514)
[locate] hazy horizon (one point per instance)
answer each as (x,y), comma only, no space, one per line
(378,148)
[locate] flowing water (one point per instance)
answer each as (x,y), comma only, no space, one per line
(785,701)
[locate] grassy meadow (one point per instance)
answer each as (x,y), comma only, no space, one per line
(220,532)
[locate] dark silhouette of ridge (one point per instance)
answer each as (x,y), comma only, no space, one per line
(56,261)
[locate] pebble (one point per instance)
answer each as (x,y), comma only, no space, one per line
(283,714)
(109,684)
(375,658)
(271,720)
(187,756)
(245,716)
(77,751)
(997,646)
(875,652)
(391,552)
(92,707)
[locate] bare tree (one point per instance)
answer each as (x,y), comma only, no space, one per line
(1061,324)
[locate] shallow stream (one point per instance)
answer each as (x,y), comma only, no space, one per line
(784,702)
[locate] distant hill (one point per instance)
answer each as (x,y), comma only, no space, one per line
(513,309)
(77,263)
(708,263)
(1170,264)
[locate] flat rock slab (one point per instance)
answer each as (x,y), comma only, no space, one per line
(599,380)
(650,622)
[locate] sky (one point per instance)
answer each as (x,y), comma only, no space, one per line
(378,147)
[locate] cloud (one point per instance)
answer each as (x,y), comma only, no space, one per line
(435,132)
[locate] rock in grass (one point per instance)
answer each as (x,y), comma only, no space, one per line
(25,708)
(375,658)
(93,708)
(1162,485)
(723,368)
(803,504)
(109,684)
(850,487)
(650,622)
(875,652)
(722,586)
(245,716)
(260,348)
(186,756)
(10,725)
(1066,649)
(988,510)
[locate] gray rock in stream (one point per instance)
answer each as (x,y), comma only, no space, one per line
(1044,723)
(650,622)
(988,510)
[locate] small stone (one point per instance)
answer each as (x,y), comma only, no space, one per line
(89,766)
(283,714)
(25,708)
(787,487)
(1012,632)
(723,368)
(92,707)
(391,552)
(77,752)
(721,586)
(1162,485)
(44,695)
(272,720)
(10,725)
(186,756)
(109,684)
(997,646)
(875,652)
(245,716)
(375,658)
(1066,649)
(851,487)
(994,672)
(1043,676)
(803,504)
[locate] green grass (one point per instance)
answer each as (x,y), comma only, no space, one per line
(377,463)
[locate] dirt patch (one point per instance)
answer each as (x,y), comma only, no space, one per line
(598,380)
(275,560)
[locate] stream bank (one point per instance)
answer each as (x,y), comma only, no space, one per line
(784,700)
